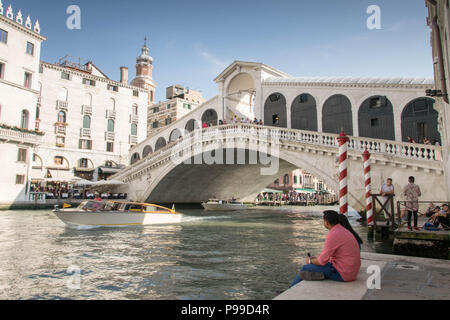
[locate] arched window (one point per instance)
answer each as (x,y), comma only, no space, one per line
(168,121)
(147,150)
(275,113)
(112,104)
(110,125)
(134,129)
(24,119)
(61,117)
(86,122)
(135,110)
(337,115)
(420,121)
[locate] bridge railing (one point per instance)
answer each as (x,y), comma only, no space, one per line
(375,146)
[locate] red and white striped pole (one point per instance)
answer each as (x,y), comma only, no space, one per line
(343,190)
(368,181)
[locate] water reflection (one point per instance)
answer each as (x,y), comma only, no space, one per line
(252,254)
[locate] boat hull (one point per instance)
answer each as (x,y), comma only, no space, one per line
(224,206)
(115,219)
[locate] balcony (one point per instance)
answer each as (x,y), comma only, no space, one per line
(85,133)
(109,136)
(20,136)
(133,139)
(62,105)
(111,114)
(60,128)
(87,110)
(134,118)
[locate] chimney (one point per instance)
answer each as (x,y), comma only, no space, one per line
(124,75)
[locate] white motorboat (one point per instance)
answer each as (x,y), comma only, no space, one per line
(222,205)
(116,214)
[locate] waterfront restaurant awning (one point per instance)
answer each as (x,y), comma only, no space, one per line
(109,169)
(272,191)
(304,190)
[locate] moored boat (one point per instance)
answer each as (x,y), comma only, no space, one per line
(223,205)
(116,214)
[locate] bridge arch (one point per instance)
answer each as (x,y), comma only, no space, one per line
(160,143)
(337,114)
(241,94)
(419,120)
(192,125)
(147,151)
(210,117)
(175,135)
(135,158)
(376,118)
(304,113)
(275,112)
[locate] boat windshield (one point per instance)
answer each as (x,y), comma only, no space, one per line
(92,205)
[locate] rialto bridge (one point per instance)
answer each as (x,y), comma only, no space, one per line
(302,117)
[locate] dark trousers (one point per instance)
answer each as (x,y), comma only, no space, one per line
(410,213)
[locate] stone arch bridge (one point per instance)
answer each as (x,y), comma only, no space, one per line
(239,160)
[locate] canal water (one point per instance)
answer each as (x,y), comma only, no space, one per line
(252,254)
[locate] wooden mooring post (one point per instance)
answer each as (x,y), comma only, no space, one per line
(382,228)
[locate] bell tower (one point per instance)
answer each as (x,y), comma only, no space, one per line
(144,71)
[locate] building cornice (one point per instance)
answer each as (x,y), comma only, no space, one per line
(20,27)
(18,86)
(91,76)
(347,85)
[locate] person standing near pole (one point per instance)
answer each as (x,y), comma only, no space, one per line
(387,192)
(412,193)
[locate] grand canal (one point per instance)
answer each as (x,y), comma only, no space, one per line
(252,254)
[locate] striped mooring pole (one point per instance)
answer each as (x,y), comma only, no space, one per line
(368,181)
(343,190)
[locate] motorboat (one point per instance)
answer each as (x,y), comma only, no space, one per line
(223,205)
(116,214)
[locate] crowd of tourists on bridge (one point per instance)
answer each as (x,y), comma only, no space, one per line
(426,141)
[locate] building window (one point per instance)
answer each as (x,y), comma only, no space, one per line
(110,147)
(155,110)
(24,119)
(27,80)
(89,82)
(2,70)
(155,124)
(110,125)
(3,36)
(135,110)
(151,95)
(187,106)
(86,122)
(168,121)
(134,129)
(168,106)
(85,144)
(20,179)
(30,48)
(135,93)
(65,75)
(61,117)
(58,160)
(295,179)
(83,163)
(60,141)
(22,155)
(113,88)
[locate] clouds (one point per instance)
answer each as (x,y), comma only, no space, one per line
(215,63)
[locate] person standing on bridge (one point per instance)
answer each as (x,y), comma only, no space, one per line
(340,259)
(412,193)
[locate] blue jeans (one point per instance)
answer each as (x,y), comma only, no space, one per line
(328,270)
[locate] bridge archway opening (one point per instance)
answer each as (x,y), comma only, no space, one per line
(147,151)
(337,114)
(304,113)
(191,125)
(376,118)
(210,117)
(275,113)
(160,143)
(240,94)
(420,120)
(135,158)
(175,135)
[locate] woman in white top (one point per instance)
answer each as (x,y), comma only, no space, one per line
(387,190)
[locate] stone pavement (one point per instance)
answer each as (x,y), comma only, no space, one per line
(402,277)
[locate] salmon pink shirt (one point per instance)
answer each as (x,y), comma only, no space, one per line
(342,250)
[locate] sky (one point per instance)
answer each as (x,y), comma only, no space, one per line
(193,41)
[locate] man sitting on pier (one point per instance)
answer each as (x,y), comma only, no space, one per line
(340,259)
